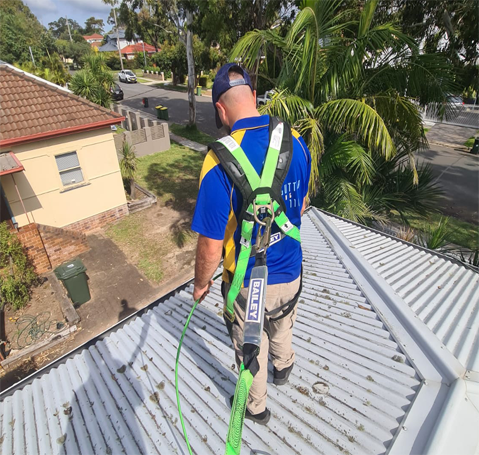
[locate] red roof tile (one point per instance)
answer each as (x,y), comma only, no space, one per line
(94,36)
(33,109)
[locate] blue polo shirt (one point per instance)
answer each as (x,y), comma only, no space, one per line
(219,204)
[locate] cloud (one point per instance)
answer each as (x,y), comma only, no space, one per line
(95,6)
(41,6)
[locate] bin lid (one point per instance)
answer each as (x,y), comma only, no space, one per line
(69,269)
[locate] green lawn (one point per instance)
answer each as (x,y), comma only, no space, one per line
(141,80)
(172,175)
(460,232)
(191,133)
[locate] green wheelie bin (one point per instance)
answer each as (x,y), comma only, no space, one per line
(73,276)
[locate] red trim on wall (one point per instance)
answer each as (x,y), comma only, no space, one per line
(61,132)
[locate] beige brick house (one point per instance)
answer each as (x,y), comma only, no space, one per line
(59,172)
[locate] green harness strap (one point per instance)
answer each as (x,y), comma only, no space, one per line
(262,203)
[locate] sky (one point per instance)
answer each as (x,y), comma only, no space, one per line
(78,10)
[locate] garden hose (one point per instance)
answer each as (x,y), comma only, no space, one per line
(176,370)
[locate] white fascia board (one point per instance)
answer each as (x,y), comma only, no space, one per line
(425,351)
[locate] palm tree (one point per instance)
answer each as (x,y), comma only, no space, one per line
(128,165)
(354,90)
(94,81)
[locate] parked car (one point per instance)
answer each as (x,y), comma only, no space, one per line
(116,93)
(263,99)
(455,101)
(126,76)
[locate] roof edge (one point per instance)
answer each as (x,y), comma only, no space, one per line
(29,379)
(61,132)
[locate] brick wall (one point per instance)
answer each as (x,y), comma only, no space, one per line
(62,244)
(31,240)
(98,221)
(49,246)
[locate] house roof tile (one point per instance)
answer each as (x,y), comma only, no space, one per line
(31,106)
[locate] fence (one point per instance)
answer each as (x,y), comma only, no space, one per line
(145,134)
(465,115)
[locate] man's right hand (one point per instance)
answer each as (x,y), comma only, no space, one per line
(201,293)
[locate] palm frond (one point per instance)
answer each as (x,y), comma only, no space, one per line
(287,106)
(360,120)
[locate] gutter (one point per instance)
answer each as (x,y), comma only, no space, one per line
(61,132)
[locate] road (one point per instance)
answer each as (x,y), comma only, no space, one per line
(177,104)
(457,173)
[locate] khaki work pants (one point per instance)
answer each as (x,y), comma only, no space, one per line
(278,344)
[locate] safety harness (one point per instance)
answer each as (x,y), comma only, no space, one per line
(262,201)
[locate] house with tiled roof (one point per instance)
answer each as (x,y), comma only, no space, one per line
(95,40)
(130,51)
(59,172)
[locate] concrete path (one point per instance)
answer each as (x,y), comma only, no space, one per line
(450,135)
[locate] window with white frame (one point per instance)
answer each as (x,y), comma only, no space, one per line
(69,167)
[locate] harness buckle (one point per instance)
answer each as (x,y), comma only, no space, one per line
(263,208)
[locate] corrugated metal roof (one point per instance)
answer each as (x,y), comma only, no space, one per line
(118,395)
(443,294)
(9,163)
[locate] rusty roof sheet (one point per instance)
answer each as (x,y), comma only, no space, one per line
(32,109)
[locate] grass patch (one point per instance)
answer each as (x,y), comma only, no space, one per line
(426,130)
(172,175)
(130,234)
(119,130)
(470,142)
(141,80)
(459,232)
(192,133)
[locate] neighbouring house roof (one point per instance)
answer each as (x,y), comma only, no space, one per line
(34,109)
(95,36)
(369,378)
(9,163)
(138,47)
(110,46)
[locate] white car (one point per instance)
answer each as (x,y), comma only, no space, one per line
(263,99)
(126,76)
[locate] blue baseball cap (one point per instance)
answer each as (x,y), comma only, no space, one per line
(222,84)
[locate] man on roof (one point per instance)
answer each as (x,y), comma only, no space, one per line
(218,216)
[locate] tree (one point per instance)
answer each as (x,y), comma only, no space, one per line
(77,51)
(19,30)
(128,165)
(59,28)
(94,81)
(50,68)
(93,25)
(352,86)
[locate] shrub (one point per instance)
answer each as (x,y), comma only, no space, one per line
(16,271)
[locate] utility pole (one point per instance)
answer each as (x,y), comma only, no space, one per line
(68,25)
(31,55)
(144,54)
(118,39)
